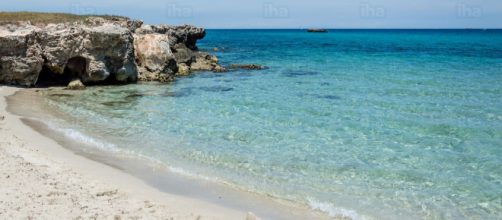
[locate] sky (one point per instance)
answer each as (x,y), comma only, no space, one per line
(286,13)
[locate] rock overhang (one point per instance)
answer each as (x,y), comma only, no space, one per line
(108,48)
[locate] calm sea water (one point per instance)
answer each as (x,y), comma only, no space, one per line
(367,124)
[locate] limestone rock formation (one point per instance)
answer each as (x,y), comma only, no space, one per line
(183,70)
(154,56)
(99,50)
(90,53)
(20,58)
(180,55)
(76,85)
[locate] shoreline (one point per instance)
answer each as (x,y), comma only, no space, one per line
(44,179)
(137,176)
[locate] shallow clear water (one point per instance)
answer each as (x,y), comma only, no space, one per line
(367,124)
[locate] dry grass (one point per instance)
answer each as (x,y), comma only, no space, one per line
(46,18)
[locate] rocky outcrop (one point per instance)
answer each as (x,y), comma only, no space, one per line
(87,52)
(247,66)
(20,58)
(76,85)
(180,54)
(154,57)
(99,50)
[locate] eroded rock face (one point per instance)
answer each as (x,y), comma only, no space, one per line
(154,56)
(167,51)
(106,52)
(20,58)
(100,51)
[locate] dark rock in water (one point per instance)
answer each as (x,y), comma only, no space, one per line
(210,75)
(175,94)
(317,30)
(114,103)
(247,66)
(61,95)
(216,89)
(135,95)
(220,69)
(180,93)
(325,84)
(332,97)
(299,73)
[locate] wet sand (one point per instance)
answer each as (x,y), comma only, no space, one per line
(77,181)
(42,180)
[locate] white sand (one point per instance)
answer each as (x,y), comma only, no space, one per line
(39,179)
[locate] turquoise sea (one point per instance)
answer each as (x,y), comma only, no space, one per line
(367,124)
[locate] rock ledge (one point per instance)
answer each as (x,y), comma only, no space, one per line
(99,51)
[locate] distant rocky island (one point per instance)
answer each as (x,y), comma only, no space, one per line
(96,50)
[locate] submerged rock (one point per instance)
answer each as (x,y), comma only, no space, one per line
(216,88)
(247,66)
(61,95)
(220,69)
(76,85)
(115,103)
(299,73)
(134,95)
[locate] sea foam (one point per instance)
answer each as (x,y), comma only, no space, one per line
(76,135)
(81,137)
(336,212)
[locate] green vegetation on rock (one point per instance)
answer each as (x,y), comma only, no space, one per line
(46,18)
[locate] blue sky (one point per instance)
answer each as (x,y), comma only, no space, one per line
(286,13)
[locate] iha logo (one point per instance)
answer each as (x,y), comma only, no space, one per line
(79,9)
(468,11)
(273,11)
(175,10)
(367,10)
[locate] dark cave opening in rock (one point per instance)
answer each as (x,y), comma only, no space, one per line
(75,68)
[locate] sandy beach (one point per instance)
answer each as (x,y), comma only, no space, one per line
(43,180)
(283,110)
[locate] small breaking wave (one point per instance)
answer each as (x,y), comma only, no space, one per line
(325,207)
(335,212)
(81,137)
(106,146)
(183,172)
